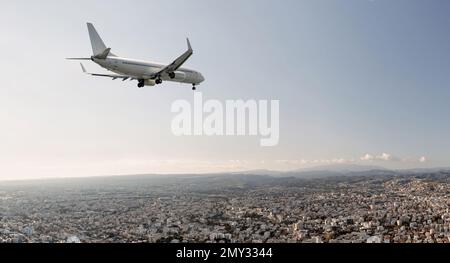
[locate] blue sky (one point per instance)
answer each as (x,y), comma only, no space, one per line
(355,79)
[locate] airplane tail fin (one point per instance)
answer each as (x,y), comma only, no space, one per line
(98,46)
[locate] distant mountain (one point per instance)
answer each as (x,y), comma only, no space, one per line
(246,178)
(425,170)
(346,168)
(260,172)
(321,171)
(338,170)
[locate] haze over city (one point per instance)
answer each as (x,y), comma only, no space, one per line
(359,83)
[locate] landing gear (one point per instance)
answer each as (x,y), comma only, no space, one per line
(158,81)
(141,83)
(172,75)
(194,88)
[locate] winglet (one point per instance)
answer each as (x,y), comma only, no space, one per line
(189,44)
(82,67)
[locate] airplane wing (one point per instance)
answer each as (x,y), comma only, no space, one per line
(113,76)
(177,63)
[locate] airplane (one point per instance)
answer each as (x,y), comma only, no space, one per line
(145,72)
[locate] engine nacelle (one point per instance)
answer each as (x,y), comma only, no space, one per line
(178,75)
(149,82)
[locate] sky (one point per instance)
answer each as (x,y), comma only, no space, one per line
(359,82)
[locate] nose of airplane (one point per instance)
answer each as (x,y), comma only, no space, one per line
(201,77)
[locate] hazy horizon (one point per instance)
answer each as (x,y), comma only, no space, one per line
(262,172)
(359,82)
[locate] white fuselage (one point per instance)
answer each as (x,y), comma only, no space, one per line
(143,70)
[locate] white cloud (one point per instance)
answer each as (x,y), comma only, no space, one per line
(386,157)
(380,158)
(287,162)
(340,161)
(304,162)
(368,157)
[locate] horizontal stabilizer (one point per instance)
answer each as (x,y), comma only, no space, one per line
(78,58)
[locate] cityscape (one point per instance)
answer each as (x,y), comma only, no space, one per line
(377,206)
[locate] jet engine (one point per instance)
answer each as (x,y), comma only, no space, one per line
(149,82)
(178,75)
